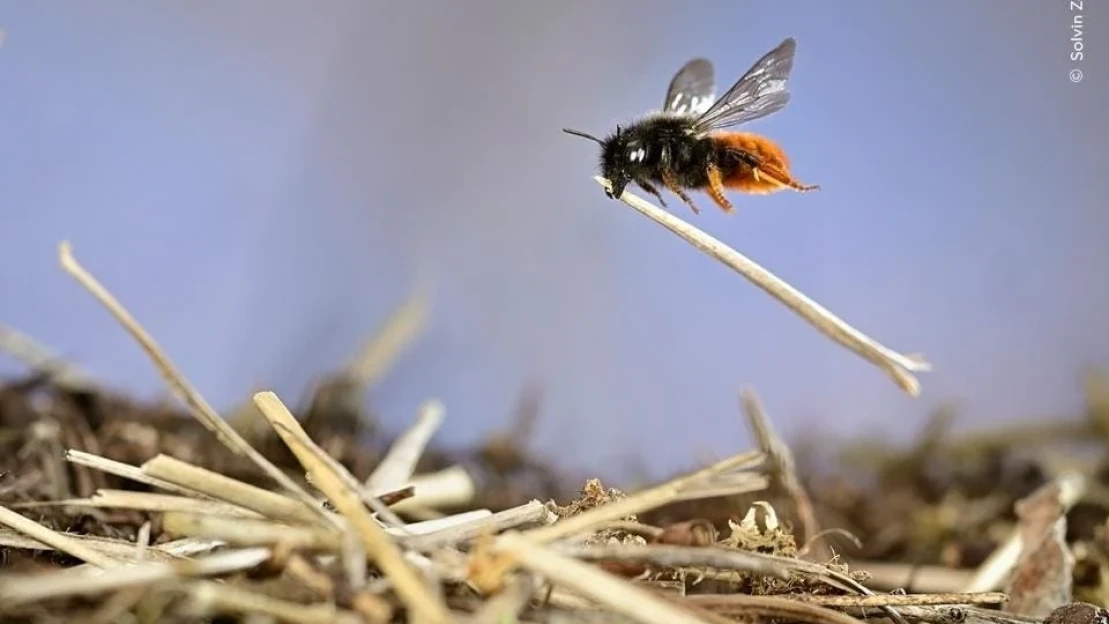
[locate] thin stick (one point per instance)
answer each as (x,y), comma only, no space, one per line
(147,501)
(173,377)
(402,327)
(249,532)
(449,487)
(61,542)
(190,547)
(37,357)
(21,589)
(399,463)
(372,499)
(127,471)
(439,524)
(783,467)
(687,556)
(898,366)
(269,504)
(379,547)
(531,513)
(901,600)
(115,548)
(594,583)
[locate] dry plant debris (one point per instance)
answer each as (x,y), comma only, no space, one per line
(114,510)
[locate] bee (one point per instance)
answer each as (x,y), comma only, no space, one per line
(684,145)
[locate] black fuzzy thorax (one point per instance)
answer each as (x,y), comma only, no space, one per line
(668,144)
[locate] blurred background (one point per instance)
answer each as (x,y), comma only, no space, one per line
(263,182)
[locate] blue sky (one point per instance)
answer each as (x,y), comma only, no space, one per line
(261,183)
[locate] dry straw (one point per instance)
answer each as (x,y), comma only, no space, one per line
(347,499)
(184,390)
(898,366)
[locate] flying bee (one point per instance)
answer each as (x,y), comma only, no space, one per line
(684,146)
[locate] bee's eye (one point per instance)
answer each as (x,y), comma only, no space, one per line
(636,154)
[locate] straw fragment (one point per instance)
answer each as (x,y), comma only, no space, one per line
(379,547)
(267,503)
(899,367)
(184,391)
(399,463)
(57,540)
(22,589)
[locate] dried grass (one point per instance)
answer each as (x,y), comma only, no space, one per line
(173,529)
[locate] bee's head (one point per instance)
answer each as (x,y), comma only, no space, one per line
(616,160)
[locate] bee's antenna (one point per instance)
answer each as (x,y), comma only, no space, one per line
(583,135)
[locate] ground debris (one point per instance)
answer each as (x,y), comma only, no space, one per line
(488,530)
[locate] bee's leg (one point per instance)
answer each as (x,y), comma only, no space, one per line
(761,171)
(672,184)
(802,188)
(782,179)
(650,188)
(716,189)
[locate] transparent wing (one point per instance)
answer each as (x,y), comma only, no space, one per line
(760,92)
(692,89)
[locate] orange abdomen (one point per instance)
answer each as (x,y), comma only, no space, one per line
(771,175)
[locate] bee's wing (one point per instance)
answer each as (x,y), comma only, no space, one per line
(760,92)
(692,89)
